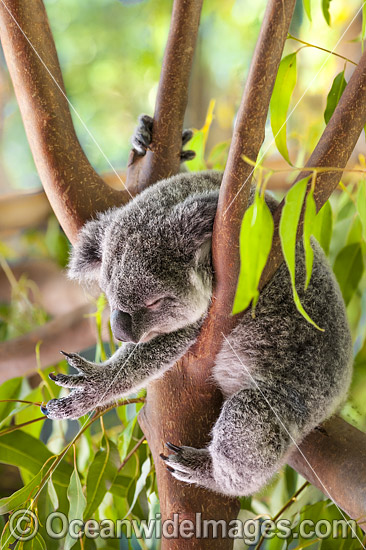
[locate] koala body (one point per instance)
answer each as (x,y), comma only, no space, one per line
(279,375)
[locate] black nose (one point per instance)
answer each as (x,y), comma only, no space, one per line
(121,324)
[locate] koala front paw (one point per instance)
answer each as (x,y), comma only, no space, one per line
(143,136)
(90,389)
(190,465)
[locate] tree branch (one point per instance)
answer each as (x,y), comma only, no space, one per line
(184,405)
(74,189)
(163,158)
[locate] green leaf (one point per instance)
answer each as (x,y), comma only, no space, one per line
(77,501)
(20,497)
(101,475)
(348,269)
(9,390)
(21,449)
(288,228)
(141,482)
(323,225)
(36,543)
(125,437)
(325,9)
(309,219)
(280,101)
(255,244)
(52,493)
(361,206)
(336,91)
(307,8)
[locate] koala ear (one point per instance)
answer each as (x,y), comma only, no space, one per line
(86,256)
(194,219)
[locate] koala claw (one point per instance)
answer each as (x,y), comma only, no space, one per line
(79,363)
(143,136)
(189,464)
(173,447)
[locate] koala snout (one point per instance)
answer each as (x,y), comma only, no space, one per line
(121,324)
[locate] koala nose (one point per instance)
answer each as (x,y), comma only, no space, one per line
(121,324)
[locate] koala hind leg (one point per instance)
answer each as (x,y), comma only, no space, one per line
(142,138)
(250,441)
(251,438)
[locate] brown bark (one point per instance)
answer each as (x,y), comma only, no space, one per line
(333,459)
(74,189)
(183,406)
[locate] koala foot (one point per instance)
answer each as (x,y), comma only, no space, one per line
(143,136)
(190,465)
(90,388)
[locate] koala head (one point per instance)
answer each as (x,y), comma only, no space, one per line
(152,259)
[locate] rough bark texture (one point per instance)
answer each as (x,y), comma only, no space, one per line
(74,189)
(183,406)
(333,459)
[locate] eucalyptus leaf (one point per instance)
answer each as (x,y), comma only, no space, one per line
(309,219)
(9,390)
(77,501)
(325,10)
(288,229)
(280,101)
(323,225)
(20,497)
(255,244)
(101,475)
(52,494)
(307,8)
(21,449)
(348,269)
(336,91)
(361,206)
(36,543)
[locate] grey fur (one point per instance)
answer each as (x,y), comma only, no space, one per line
(279,375)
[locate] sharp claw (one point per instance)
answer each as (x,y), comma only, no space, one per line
(163,456)
(173,447)
(170,469)
(53,376)
(65,354)
(44,409)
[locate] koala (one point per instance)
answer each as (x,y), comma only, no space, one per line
(279,375)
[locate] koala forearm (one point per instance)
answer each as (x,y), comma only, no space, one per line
(132,366)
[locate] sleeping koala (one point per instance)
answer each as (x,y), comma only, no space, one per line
(279,375)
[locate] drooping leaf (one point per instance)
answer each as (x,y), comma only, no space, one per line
(255,244)
(280,101)
(325,10)
(21,449)
(141,482)
(20,497)
(361,206)
(307,8)
(101,475)
(323,225)
(348,269)
(309,219)
(52,494)
(335,93)
(77,501)
(288,228)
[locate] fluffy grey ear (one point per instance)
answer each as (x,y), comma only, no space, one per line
(86,256)
(194,219)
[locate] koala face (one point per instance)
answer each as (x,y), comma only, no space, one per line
(153,264)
